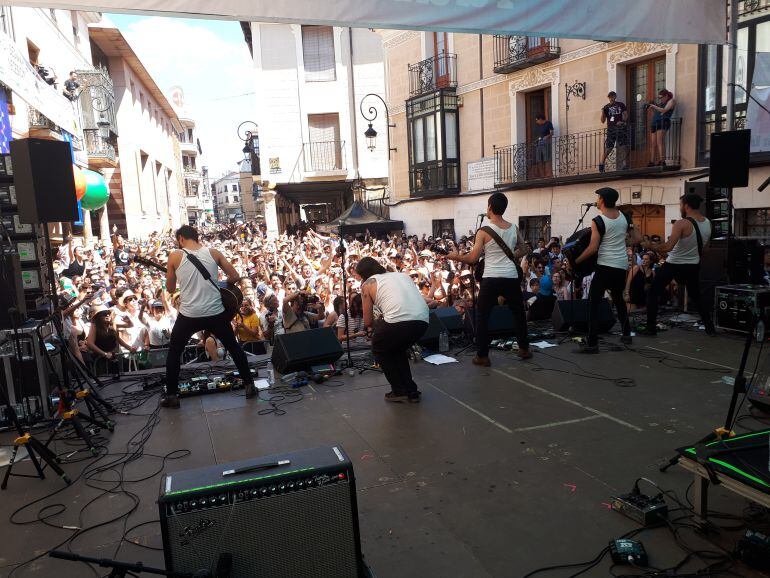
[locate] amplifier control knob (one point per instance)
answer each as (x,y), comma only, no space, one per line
(194,504)
(254,493)
(203,502)
(263,491)
(283,487)
(223,498)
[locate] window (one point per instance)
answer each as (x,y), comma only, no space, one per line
(534,228)
(6,23)
(324,150)
(444,227)
(643,80)
(752,222)
(752,73)
(318,53)
(434,146)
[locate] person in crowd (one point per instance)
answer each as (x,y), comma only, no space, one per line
(269,319)
(247,326)
(615,115)
(103,340)
(159,323)
(689,235)
(296,318)
(661,122)
(354,325)
(561,288)
(638,282)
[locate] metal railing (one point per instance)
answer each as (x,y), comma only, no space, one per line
(98,147)
(716,122)
(433,73)
(38,120)
(750,7)
(324,156)
(581,153)
(516,52)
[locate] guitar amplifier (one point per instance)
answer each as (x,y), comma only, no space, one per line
(735,305)
(298,519)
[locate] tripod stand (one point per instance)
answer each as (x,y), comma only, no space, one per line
(472,315)
(351,366)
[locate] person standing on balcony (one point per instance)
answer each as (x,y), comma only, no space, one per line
(544,132)
(72,86)
(614,113)
(661,122)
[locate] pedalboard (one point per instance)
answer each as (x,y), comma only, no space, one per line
(641,508)
(211,383)
(754,550)
(625,551)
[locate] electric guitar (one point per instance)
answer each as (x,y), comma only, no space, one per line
(231,295)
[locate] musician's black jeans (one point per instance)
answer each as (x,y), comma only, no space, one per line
(687,275)
(185,328)
(610,279)
(491,289)
(390,342)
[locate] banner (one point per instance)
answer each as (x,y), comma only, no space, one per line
(758,119)
(688,21)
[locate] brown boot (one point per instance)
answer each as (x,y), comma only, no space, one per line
(524,353)
(482,361)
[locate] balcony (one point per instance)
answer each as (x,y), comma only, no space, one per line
(325,158)
(191,173)
(432,74)
(188,147)
(576,156)
(96,100)
(437,177)
(101,153)
(513,53)
(717,122)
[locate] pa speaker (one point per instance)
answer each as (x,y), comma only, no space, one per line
(500,322)
(435,328)
(297,351)
(574,313)
(729,159)
(451,318)
(45,183)
(11,291)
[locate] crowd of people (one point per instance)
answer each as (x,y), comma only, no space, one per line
(293,283)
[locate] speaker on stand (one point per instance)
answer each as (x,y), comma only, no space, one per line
(302,350)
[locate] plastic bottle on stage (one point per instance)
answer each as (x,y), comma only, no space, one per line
(270,373)
(760,331)
(443,342)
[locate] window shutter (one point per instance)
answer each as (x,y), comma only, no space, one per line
(318,53)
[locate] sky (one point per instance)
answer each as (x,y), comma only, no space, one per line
(210,61)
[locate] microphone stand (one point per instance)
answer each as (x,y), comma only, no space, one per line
(472,317)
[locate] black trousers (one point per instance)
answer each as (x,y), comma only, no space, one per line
(390,342)
(610,279)
(687,275)
(183,330)
(491,289)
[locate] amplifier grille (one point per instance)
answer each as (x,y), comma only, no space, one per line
(306,533)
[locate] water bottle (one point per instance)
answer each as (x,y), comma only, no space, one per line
(760,331)
(270,373)
(443,342)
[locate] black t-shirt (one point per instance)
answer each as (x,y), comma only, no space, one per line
(71,85)
(76,269)
(121,258)
(543,130)
(614,112)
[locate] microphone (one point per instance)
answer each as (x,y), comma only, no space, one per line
(588,205)
(481,217)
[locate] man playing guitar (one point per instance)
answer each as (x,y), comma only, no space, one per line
(200,308)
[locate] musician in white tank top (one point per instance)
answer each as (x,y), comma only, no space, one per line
(197,296)
(682,263)
(402,322)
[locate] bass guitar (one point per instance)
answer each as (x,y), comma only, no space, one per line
(574,247)
(232,297)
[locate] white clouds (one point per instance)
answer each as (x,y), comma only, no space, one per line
(210,61)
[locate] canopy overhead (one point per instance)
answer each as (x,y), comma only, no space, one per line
(689,21)
(358,219)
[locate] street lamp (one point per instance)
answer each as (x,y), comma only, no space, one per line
(371,134)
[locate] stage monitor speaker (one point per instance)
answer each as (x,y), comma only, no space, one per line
(500,322)
(11,291)
(435,327)
(307,505)
(729,158)
(573,314)
(451,318)
(44,179)
(297,351)
(746,261)
(713,273)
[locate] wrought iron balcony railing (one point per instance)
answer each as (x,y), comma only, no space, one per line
(324,156)
(98,147)
(516,52)
(433,73)
(578,154)
(716,122)
(752,7)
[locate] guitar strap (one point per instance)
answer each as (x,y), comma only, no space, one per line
(698,236)
(200,267)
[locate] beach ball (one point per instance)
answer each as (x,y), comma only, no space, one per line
(80,182)
(97,193)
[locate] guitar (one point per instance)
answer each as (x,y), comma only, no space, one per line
(231,295)
(574,247)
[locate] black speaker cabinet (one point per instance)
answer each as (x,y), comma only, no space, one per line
(294,520)
(297,351)
(435,327)
(574,314)
(729,158)
(11,290)
(450,317)
(45,184)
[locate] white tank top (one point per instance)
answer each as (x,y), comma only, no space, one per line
(612,249)
(198,297)
(497,263)
(398,298)
(685,252)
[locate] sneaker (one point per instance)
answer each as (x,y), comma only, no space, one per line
(415,397)
(169,401)
(587,349)
(396,398)
(482,361)
(625,339)
(601,168)
(251,391)
(524,353)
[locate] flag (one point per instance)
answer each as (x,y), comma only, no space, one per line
(5,124)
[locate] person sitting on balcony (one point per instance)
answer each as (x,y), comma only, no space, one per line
(661,122)
(614,113)
(72,86)
(544,132)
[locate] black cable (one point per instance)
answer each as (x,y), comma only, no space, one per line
(617,381)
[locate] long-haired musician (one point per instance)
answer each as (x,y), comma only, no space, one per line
(200,309)
(609,244)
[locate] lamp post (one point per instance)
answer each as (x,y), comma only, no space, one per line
(370,116)
(247,132)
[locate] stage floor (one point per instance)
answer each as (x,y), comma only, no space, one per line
(497,472)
